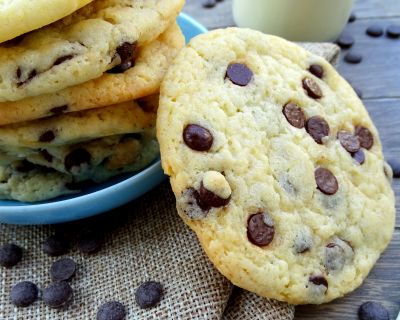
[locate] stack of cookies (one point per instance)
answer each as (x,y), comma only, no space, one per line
(79,84)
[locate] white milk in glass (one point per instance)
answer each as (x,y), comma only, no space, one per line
(296,20)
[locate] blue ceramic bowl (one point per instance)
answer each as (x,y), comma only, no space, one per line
(102,197)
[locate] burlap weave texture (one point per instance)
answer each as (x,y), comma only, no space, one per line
(145,240)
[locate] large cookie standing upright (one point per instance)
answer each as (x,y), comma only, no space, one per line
(275,165)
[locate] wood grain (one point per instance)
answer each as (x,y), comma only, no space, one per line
(376,75)
(382,285)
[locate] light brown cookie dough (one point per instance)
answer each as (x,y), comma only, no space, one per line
(300,154)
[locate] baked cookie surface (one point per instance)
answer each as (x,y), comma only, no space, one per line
(21,16)
(102,36)
(276,165)
(143,79)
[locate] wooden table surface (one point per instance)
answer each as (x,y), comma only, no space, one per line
(378,77)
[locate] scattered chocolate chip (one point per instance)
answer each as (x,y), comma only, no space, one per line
(294,115)
(127,53)
(319,281)
(63,269)
(334,257)
(371,310)
(59,110)
(349,141)
(19,73)
(25,166)
(317,128)
(63,59)
(76,158)
(316,70)
(326,181)
(58,294)
(359,156)
(312,88)
(374,31)
(208,3)
(46,155)
(353,57)
(23,294)
(10,255)
(149,294)
(345,41)
(197,138)
(207,199)
(55,245)
(47,136)
(90,242)
(239,74)
(365,136)
(393,31)
(112,310)
(395,165)
(260,229)
(352,17)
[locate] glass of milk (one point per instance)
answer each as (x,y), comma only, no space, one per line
(295,20)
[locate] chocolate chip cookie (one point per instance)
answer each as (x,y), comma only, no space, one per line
(102,36)
(20,16)
(276,165)
(142,79)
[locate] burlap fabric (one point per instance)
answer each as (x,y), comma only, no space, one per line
(144,240)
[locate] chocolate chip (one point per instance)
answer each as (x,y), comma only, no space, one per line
(209,3)
(127,53)
(365,136)
(312,88)
(316,70)
(345,41)
(18,73)
(260,229)
(294,115)
(352,17)
(90,242)
(359,156)
(395,165)
(374,31)
(23,294)
(303,242)
(47,136)
(31,75)
(24,166)
(317,128)
(149,294)
(326,181)
(63,269)
(46,155)
(197,138)
(334,257)
(59,110)
(393,31)
(63,59)
(371,310)
(349,141)
(112,310)
(76,158)
(353,57)
(55,245)
(318,281)
(207,199)
(10,255)
(58,294)
(239,74)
